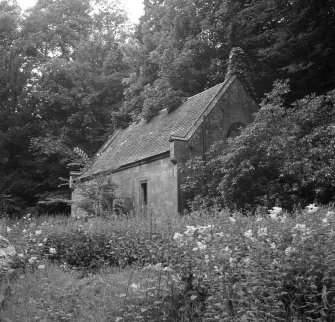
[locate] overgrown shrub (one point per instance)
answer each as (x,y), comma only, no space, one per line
(99,197)
(285,157)
(81,249)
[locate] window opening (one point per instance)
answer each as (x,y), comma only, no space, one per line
(235,129)
(144,193)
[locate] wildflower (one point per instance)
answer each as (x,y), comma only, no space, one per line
(275,211)
(21,255)
(52,251)
(312,208)
(300,227)
(24,231)
(330,214)
(201,246)
(273,245)
(134,286)
(248,233)
(289,250)
(38,232)
(275,262)
(32,260)
(259,219)
(325,220)
(8,230)
(40,266)
(190,230)
(232,219)
(167,269)
(177,236)
(283,218)
(226,249)
(45,240)
(262,231)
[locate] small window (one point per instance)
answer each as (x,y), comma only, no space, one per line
(235,129)
(144,193)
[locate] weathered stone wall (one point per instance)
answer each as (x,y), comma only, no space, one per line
(161,178)
(235,105)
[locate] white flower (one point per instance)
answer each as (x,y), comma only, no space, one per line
(190,230)
(52,251)
(283,218)
(21,255)
(330,214)
(273,245)
(289,250)
(325,220)
(201,246)
(32,260)
(38,232)
(40,244)
(262,231)
(259,219)
(8,230)
(226,249)
(248,233)
(134,286)
(300,227)
(221,234)
(177,236)
(45,240)
(24,231)
(195,249)
(274,212)
(40,266)
(232,219)
(312,208)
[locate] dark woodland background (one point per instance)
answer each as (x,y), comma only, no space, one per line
(72,71)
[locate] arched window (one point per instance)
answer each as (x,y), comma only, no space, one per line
(235,129)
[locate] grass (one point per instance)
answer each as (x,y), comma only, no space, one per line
(55,294)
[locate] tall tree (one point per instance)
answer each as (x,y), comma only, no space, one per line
(17,119)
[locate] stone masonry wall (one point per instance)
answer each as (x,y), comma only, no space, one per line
(161,178)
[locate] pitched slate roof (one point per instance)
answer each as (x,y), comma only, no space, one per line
(147,139)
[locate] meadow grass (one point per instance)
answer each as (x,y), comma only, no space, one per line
(55,294)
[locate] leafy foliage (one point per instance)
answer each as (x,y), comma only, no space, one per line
(279,159)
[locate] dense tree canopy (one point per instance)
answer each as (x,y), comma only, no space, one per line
(71,71)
